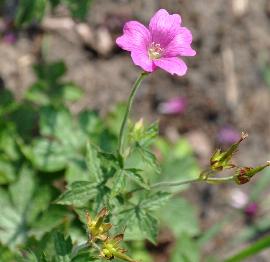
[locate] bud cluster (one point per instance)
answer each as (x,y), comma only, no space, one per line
(222,160)
(98,231)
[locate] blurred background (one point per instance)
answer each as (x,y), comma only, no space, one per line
(226,91)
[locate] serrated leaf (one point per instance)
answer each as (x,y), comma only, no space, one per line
(119,182)
(139,225)
(78,193)
(93,163)
(149,158)
(149,225)
(63,246)
(134,175)
(149,134)
(155,201)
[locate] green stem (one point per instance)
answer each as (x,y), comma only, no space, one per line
(175,183)
(219,179)
(135,87)
(184,182)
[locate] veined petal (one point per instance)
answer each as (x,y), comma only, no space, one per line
(173,65)
(136,37)
(180,45)
(164,27)
(141,59)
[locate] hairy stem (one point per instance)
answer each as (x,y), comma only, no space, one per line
(135,87)
(175,183)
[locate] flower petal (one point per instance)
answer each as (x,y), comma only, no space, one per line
(136,37)
(141,59)
(173,65)
(164,27)
(180,45)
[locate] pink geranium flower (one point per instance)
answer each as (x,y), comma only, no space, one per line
(160,45)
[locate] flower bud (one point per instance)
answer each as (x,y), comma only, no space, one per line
(222,160)
(244,174)
(96,228)
(111,249)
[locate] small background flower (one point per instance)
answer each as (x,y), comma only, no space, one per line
(176,105)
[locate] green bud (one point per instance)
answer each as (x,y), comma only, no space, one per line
(222,160)
(244,174)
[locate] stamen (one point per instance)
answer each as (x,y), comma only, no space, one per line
(155,51)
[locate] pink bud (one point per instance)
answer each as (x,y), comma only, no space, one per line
(9,38)
(251,209)
(175,105)
(228,135)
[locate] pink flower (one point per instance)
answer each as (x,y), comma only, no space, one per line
(175,105)
(251,209)
(228,135)
(160,45)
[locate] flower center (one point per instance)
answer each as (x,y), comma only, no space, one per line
(155,51)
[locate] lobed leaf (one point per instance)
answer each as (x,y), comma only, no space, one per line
(78,193)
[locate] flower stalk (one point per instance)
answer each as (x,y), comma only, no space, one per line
(135,88)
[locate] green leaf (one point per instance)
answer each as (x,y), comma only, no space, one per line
(184,219)
(54,3)
(86,256)
(36,93)
(134,175)
(72,92)
(186,250)
(251,250)
(39,203)
(50,72)
(78,193)
(90,123)
(25,118)
(149,225)
(49,155)
(119,182)
(178,162)
(149,158)
(93,163)
(155,201)
(77,171)
(57,123)
(63,246)
(30,10)
(53,217)
(7,172)
(78,9)
(7,255)
(7,101)
(12,226)
(144,136)
(139,225)
(22,191)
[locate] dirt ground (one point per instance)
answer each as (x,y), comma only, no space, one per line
(224,85)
